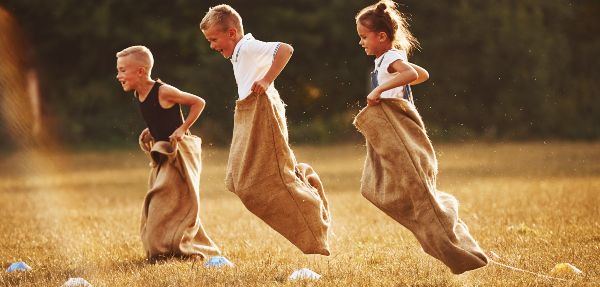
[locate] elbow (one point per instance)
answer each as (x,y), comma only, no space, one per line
(287,48)
(425,76)
(413,76)
(200,103)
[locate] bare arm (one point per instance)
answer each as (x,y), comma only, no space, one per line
(406,75)
(284,53)
(423,74)
(170,96)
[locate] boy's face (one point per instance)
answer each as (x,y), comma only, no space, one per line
(371,41)
(222,41)
(128,73)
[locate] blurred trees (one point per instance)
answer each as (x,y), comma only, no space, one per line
(510,69)
(504,69)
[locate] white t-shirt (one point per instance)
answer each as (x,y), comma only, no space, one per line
(251,60)
(383,75)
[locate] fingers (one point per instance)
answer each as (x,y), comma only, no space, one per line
(176,137)
(257,88)
(372,102)
(142,135)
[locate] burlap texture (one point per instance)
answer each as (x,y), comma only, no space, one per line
(262,170)
(399,177)
(170,224)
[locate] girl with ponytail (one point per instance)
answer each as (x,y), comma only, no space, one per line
(400,170)
(384,33)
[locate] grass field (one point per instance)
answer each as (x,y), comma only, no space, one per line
(77,215)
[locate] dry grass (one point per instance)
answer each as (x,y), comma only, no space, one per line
(77,215)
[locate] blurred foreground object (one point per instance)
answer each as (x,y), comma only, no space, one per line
(19,89)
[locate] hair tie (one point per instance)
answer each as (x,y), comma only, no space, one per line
(380,8)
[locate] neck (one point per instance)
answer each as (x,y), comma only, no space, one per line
(237,39)
(144,88)
(383,50)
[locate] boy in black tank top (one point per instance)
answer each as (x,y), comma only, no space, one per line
(159,103)
(170,223)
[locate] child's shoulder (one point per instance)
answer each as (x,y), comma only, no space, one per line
(251,46)
(398,54)
(250,42)
(164,88)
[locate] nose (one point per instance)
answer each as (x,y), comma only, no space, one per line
(212,46)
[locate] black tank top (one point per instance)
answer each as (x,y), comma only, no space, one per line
(161,122)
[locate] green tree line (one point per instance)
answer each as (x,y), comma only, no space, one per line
(504,69)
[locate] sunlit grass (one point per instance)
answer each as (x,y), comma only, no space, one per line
(77,215)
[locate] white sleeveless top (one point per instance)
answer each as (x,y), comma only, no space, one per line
(383,75)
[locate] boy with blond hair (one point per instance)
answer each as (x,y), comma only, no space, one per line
(262,169)
(256,65)
(170,224)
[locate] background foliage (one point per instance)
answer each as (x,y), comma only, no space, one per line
(504,69)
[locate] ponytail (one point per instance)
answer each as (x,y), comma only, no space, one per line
(383,16)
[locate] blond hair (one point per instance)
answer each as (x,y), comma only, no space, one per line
(383,16)
(140,54)
(224,16)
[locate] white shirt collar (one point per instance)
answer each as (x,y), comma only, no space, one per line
(238,46)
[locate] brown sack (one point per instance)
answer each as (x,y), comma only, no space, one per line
(171,215)
(399,177)
(262,170)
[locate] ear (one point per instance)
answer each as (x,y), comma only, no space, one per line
(382,36)
(141,71)
(231,33)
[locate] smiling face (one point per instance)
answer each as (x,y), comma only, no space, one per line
(129,73)
(222,40)
(374,43)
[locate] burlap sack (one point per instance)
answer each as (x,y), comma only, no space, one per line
(171,215)
(399,177)
(262,170)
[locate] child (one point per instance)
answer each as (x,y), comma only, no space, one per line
(170,217)
(262,169)
(400,170)
(393,73)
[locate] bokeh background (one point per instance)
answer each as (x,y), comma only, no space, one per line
(499,70)
(511,104)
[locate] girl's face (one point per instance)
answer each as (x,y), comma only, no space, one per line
(374,43)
